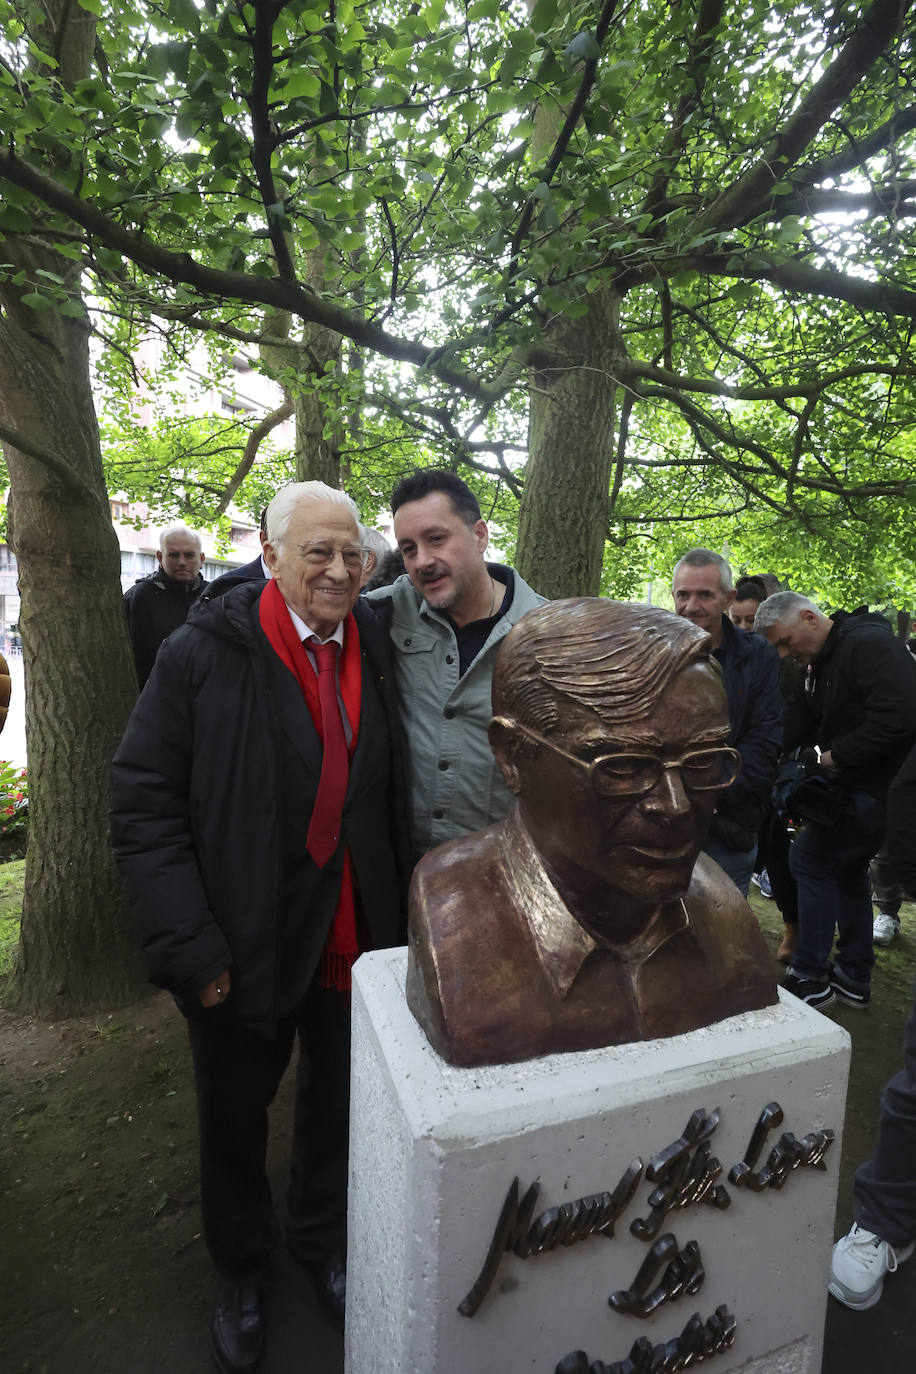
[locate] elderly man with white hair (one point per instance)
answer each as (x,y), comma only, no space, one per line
(158,604)
(255,805)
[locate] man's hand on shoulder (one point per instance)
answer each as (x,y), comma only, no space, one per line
(216,992)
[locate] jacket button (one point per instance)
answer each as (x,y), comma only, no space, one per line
(407,643)
(443,765)
(438,814)
(450,658)
(449,712)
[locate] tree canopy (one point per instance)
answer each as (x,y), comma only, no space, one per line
(709,210)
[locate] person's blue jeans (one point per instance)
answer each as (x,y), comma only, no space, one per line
(830,868)
(737,863)
(884,1190)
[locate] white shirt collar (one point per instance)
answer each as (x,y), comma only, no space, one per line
(306,632)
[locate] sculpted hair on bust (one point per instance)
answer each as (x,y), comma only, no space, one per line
(615,657)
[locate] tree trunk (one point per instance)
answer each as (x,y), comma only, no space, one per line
(317,452)
(76,953)
(563,517)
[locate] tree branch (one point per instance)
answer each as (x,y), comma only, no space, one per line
(574,114)
(263,135)
(699,57)
(253,443)
(620,465)
(891,200)
(829,168)
(61,469)
(748,196)
(219,283)
(710,386)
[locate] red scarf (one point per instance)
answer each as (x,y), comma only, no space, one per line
(341,948)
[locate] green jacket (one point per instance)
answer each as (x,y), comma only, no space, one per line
(454,784)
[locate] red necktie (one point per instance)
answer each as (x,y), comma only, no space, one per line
(324,829)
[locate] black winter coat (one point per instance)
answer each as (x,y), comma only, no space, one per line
(859,702)
(248,572)
(213,786)
(751,669)
(155,606)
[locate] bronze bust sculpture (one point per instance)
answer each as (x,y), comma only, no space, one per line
(588,917)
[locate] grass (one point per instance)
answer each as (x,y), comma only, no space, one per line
(12,878)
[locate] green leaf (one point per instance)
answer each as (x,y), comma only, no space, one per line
(14,220)
(301,83)
(185,14)
(543,15)
(789,230)
(742,293)
(36,301)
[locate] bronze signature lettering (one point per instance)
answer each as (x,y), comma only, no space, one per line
(684,1274)
(685,1172)
(593,1215)
(697,1342)
(787,1154)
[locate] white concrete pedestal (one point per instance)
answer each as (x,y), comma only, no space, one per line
(434,1151)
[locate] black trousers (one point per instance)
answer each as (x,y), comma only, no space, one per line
(237,1073)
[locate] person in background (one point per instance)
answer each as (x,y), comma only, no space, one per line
(378,547)
(883,1234)
(158,604)
(255,571)
(6,690)
(749,592)
(703,592)
(888,896)
(388,570)
(857,718)
(772,876)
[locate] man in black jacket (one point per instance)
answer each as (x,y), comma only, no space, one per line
(158,604)
(703,591)
(857,715)
(253,816)
(255,571)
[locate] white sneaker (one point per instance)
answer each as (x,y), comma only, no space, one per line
(886,928)
(860,1261)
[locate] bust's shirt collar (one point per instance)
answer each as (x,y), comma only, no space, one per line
(563,945)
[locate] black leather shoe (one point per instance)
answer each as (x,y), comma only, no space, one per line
(237,1328)
(330,1279)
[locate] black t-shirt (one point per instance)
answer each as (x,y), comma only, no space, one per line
(473,636)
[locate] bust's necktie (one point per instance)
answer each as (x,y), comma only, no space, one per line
(324,829)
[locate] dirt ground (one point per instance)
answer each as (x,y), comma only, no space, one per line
(102,1267)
